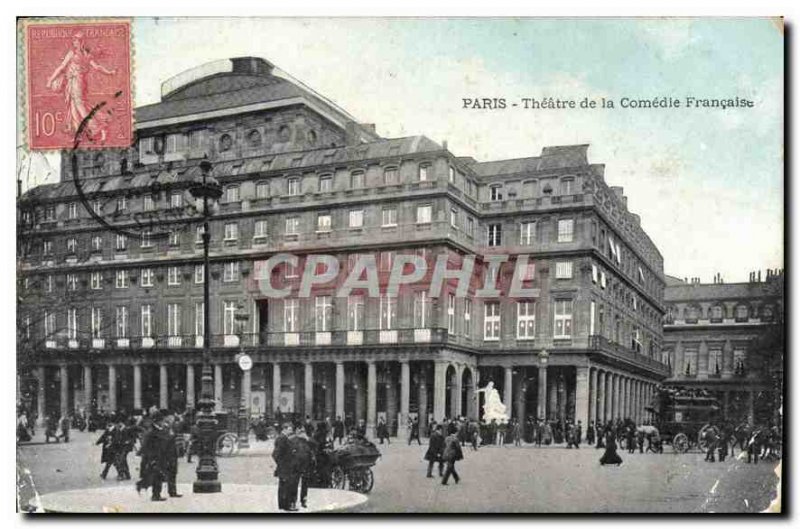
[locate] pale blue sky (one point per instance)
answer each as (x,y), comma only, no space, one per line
(708,184)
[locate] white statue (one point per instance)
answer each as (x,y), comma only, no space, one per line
(493,408)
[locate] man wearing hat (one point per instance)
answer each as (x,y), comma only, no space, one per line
(154,457)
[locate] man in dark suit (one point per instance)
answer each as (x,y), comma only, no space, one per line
(338,429)
(284,469)
(414,431)
(435,447)
(154,458)
(452,453)
(303,456)
(171,458)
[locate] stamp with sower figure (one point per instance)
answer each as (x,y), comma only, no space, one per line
(78,82)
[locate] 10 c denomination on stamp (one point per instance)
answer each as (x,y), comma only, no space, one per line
(78,78)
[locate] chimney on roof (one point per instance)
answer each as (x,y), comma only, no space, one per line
(759,276)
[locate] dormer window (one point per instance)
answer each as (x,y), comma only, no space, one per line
(262,190)
(567,186)
(293,186)
(496,192)
(390,176)
(325,184)
(424,172)
(357,179)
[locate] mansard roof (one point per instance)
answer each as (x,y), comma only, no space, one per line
(552,159)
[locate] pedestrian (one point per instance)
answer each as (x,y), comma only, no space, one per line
(127,435)
(590,433)
(640,440)
(472,432)
(630,439)
(383,431)
(284,469)
(414,431)
(434,452)
(153,469)
(452,453)
(578,434)
(516,434)
(539,432)
(171,458)
(64,425)
(610,456)
(722,448)
(303,462)
(501,433)
(108,440)
(23,435)
(547,436)
(338,429)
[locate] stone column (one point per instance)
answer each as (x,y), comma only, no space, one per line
(522,386)
(137,386)
(372,398)
(508,390)
(308,380)
(601,398)
(611,403)
(405,398)
(40,395)
(618,396)
(592,395)
(562,398)
(455,394)
(439,389)
(552,406)
(189,385)
(582,396)
(422,397)
(218,386)
(112,387)
(87,388)
(751,401)
(163,387)
(64,375)
(541,398)
(247,386)
(276,386)
(391,401)
(330,393)
(340,390)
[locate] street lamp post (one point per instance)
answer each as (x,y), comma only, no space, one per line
(207,189)
(245,364)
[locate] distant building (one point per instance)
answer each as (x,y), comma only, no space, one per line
(727,338)
(117,324)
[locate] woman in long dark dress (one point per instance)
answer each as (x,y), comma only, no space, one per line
(610,456)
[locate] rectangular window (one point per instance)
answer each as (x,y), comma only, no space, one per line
(230,272)
(388,312)
(290,309)
(96,281)
(72,211)
(262,190)
(147,321)
(231,231)
(603,279)
(390,176)
(357,180)
(148,204)
(323,313)
(72,324)
(146,240)
(293,187)
(470,226)
(97,243)
(467,318)
(454,218)
(592,312)
(122,322)
(494,234)
(323,222)
(389,217)
(292,225)
(357,218)
(173,319)
(690,362)
(147,277)
(49,284)
(176,200)
(739,359)
(424,214)
(47,248)
(49,324)
(567,186)
(423,172)
(122,242)
(715,361)
(355,313)
(173,276)
(97,322)
(72,245)
(198,274)
(491,321)
(451,314)
(198,238)
(229,318)
(562,322)
(199,321)
(526,320)
(325,184)
(565,230)
(527,233)
(50,213)
(496,192)
(386,258)
(594,273)
(72,282)
(422,304)
(232,194)
(563,269)
(451,174)
(260,229)
(122,279)
(174,238)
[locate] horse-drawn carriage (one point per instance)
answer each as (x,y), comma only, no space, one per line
(347,467)
(685,417)
(226,438)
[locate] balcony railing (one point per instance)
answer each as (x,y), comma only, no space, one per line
(621,352)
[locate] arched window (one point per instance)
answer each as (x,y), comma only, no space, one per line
(254,138)
(225,142)
(741,313)
(716,314)
(692,313)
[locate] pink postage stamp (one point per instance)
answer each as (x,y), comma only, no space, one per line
(78,82)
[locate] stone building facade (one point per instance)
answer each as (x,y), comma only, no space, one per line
(116,323)
(727,338)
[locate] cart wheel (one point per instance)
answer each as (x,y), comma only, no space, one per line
(680,443)
(226,445)
(356,480)
(337,478)
(368,481)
